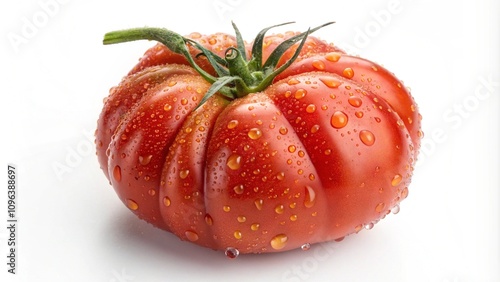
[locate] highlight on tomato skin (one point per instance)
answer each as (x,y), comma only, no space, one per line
(257,147)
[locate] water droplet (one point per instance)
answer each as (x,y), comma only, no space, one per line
(380,207)
(300,93)
(117,173)
(404,193)
(184,101)
(145,160)
(310,197)
(234,162)
(355,101)
(232,124)
(305,247)
(359,114)
(238,189)
(254,133)
(152,192)
(280,176)
(123,137)
(258,204)
(167,107)
(396,180)
(191,235)
(255,227)
(209,220)
(183,174)
(283,130)
(241,219)
(348,73)
(367,137)
(339,119)
(166,201)
(319,65)
(131,204)
(293,81)
(331,82)
(369,226)
(395,209)
(237,234)
(311,108)
(377,119)
(292,148)
(333,56)
(293,217)
(279,241)
(231,252)
(315,128)
(279,209)
(226,208)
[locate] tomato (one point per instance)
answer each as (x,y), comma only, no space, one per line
(261,147)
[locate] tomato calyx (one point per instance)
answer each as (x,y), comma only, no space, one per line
(237,75)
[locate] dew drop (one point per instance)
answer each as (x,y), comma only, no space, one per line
(209,220)
(279,241)
(226,208)
(131,204)
(305,247)
(117,173)
(380,207)
(292,148)
(232,124)
(237,234)
(166,201)
(359,114)
(191,236)
(183,174)
(184,101)
(234,162)
(145,160)
(355,101)
(319,65)
(396,180)
(315,128)
(404,193)
(238,189)
(258,204)
(294,217)
(310,197)
(369,226)
(311,108)
(283,130)
(395,209)
(367,137)
(377,119)
(300,93)
(167,107)
(254,133)
(293,81)
(331,82)
(333,56)
(339,119)
(279,209)
(255,227)
(241,219)
(152,192)
(348,73)
(231,252)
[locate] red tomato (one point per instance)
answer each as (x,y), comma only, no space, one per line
(257,148)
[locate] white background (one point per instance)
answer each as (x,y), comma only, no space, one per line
(55,73)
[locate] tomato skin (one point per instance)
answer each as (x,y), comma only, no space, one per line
(327,149)
(372,77)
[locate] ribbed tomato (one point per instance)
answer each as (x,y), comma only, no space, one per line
(259,147)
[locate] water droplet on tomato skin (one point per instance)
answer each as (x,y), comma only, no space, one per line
(191,235)
(396,180)
(166,201)
(319,65)
(238,189)
(310,197)
(183,174)
(348,73)
(355,101)
(226,208)
(232,124)
(305,247)
(237,235)
(209,220)
(338,120)
(279,209)
(254,133)
(292,148)
(258,204)
(234,162)
(367,137)
(369,226)
(117,173)
(300,93)
(131,204)
(333,57)
(231,252)
(395,209)
(279,241)
(380,207)
(331,82)
(145,160)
